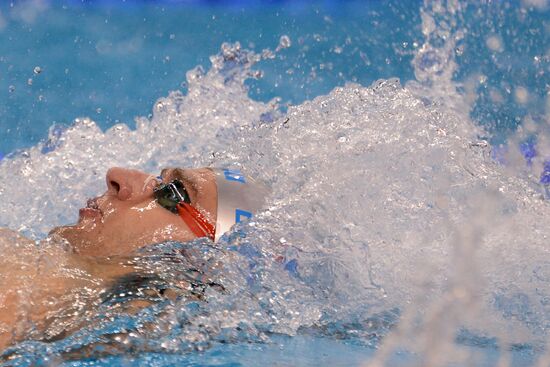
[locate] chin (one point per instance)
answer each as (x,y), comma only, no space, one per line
(71,234)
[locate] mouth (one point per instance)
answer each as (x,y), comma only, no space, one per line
(91,210)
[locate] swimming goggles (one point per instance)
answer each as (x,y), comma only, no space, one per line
(174,197)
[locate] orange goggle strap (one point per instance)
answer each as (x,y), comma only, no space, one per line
(196,222)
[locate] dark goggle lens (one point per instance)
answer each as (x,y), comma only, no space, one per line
(169,195)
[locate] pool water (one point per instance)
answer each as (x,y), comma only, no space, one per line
(110,61)
(406,144)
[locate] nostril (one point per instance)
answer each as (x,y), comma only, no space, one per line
(115,185)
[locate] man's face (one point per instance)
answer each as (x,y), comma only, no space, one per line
(127,217)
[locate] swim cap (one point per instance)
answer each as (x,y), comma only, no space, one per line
(239,197)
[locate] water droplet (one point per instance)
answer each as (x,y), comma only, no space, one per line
(195,74)
(521,95)
(494,43)
(267,54)
(284,41)
(257,74)
(37,70)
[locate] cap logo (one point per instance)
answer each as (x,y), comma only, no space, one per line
(239,198)
(234,175)
(240,214)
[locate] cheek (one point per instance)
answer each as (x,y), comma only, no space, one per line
(166,227)
(146,226)
(165,233)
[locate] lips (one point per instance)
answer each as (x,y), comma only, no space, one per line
(91,210)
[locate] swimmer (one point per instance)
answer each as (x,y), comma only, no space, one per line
(137,210)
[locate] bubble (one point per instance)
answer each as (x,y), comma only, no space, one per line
(194,74)
(285,42)
(267,54)
(365,58)
(337,50)
(428,24)
(494,43)
(29,81)
(172,36)
(521,95)
(11,88)
(37,70)
(159,106)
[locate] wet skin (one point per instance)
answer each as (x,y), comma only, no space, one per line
(119,222)
(127,217)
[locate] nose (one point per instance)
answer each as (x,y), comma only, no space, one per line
(126,184)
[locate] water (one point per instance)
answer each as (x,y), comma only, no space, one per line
(394,235)
(116,60)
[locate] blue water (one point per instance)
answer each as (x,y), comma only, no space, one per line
(112,61)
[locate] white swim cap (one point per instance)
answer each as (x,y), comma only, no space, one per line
(239,198)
